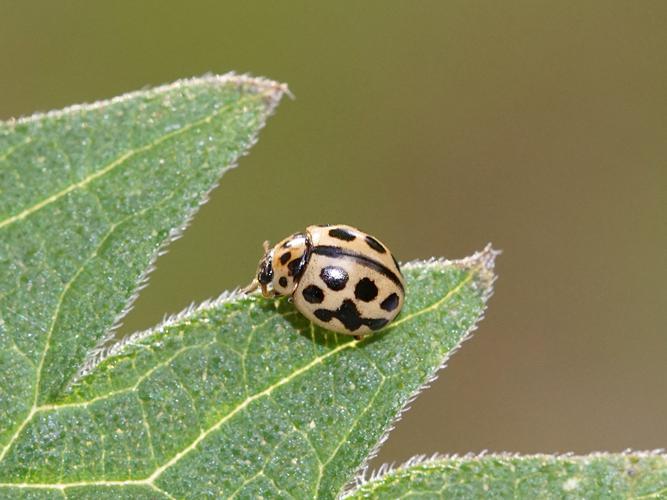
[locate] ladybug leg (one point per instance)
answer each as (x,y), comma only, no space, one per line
(251,287)
(265,291)
(254,286)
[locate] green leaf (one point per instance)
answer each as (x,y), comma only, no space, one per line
(88,197)
(637,476)
(243,396)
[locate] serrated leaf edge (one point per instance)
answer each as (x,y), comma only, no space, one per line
(436,459)
(104,351)
(484,260)
(105,347)
(258,83)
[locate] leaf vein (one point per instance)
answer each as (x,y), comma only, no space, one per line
(147,426)
(355,422)
(120,160)
(260,472)
(131,388)
(14,147)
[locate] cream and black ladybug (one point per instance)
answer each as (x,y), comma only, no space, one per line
(340,278)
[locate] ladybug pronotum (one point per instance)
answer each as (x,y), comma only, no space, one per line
(339,277)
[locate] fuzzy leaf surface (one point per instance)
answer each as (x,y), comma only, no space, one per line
(88,197)
(601,475)
(243,397)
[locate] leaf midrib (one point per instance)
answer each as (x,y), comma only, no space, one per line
(150,480)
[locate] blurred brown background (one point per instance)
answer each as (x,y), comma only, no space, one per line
(438,126)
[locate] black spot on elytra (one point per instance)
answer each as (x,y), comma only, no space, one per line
(284,258)
(348,314)
(376,323)
(334,277)
(283,282)
(341,234)
(375,244)
(314,295)
(366,290)
(324,315)
(338,252)
(390,303)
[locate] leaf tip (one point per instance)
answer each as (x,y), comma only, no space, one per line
(272,90)
(484,262)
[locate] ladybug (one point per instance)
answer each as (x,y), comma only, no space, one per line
(339,277)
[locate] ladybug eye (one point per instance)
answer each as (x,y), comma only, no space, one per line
(265,274)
